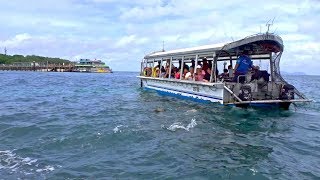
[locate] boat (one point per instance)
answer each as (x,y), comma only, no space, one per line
(94,66)
(259,87)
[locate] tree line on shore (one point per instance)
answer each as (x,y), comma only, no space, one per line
(10,59)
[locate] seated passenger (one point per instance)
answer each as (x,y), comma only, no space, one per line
(167,71)
(205,64)
(207,76)
(154,70)
(230,69)
(176,73)
(260,74)
(173,72)
(224,75)
(185,71)
(163,72)
(157,74)
(199,75)
(189,75)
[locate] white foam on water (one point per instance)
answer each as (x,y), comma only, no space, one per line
(254,171)
(46,168)
(178,125)
(12,162)
(192,111)
(116,129)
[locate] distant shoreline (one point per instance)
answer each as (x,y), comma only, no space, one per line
(293,73)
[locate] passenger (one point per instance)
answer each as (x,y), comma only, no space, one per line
(185,71)
(207,76)
(173,72)
(176,73)
(189,75)
(167,71)
(258,74)
(157,74)
(224,75)
(205,64)
(199,75)
(230,69)
(163,72)
(154,71)
(244,63)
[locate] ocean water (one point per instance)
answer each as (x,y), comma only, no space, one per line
(104,126)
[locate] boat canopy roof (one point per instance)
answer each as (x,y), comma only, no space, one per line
(258,44)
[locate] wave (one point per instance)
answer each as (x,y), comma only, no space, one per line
(116,129)
(178,125)
(11,162)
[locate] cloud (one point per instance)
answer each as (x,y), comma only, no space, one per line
(126,40)
(110,29)
(16,40)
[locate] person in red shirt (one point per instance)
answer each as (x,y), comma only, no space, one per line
(176,73)
(205,64)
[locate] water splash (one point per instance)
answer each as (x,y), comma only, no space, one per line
(9,160)
(14,163)
(116,129)
(46,168)
(178,125)
(192,111)
(254,171)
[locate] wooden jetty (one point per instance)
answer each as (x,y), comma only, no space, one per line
(38,66)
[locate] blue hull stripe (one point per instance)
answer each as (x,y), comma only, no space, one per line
(262,105)
(165,93)
(170,89)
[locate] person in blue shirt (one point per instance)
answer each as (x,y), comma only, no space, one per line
(244,63)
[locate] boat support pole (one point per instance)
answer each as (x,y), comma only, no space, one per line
(225,87)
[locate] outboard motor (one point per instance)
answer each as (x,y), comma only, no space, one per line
(287,92)
(245,93)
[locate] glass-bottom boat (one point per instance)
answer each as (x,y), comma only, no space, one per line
(261,86)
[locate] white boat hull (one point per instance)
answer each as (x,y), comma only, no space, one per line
(212,92)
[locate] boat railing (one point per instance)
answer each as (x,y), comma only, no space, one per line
(240,76)
(184,81)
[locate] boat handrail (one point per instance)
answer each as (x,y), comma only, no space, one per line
(184,81)
(232,93)
(238,79)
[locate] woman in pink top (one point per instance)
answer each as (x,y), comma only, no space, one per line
(199,75)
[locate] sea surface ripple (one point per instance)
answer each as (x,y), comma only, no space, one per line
(104,126)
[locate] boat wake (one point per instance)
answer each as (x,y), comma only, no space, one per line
(178,125)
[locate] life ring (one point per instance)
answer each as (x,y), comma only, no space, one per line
(147,72)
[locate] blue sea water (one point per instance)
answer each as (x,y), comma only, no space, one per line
(104,126)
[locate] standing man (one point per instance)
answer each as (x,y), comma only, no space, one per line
(244,63)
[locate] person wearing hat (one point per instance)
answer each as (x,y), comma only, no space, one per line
(199,75)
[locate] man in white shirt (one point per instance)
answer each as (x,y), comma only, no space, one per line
(189,75)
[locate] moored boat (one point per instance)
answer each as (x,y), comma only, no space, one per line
(95,66)
(181,73)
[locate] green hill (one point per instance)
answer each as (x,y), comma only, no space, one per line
(8,59)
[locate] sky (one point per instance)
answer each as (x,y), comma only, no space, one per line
(122,32)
